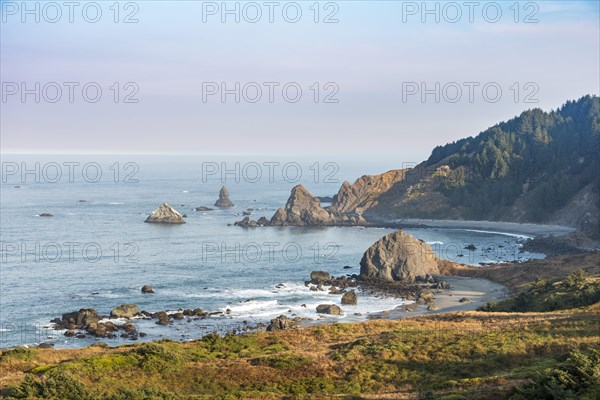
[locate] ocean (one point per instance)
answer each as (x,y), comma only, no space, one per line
(97,252)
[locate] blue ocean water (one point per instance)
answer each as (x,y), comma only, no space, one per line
(96,251)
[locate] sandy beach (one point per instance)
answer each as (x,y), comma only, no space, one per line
(477,291)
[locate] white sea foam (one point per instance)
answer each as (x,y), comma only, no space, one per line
(298,300)
(517,235)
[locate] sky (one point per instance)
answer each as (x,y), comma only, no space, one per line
(371,79)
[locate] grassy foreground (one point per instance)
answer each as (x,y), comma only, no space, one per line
(471,355)
(475,355)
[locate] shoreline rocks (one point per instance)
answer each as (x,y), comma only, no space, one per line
(330,309)
(250,223)
(350,298)
(78,319)
(124,311)
(165,214)
(282,323)
(319,277)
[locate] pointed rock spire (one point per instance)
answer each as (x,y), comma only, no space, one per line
(224,200)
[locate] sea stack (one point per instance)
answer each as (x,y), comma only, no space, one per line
(165,214)
(398,257)
(224,200)
(302,209)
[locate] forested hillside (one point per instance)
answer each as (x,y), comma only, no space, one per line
(537,167)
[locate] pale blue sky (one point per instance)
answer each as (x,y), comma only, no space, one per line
(369,54)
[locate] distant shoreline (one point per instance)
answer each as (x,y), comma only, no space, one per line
(528,229)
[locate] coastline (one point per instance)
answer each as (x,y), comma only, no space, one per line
(479,291)
(512,228)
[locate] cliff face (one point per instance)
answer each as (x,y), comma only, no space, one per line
(363,193)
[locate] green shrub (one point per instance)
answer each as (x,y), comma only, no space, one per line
(156,357)
(577,377)
(54,385)
(19,353)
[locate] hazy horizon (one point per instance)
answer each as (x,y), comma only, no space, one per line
(368,61)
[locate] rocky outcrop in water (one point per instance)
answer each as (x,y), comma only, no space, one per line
(398,257)
(147,289)
(165,214)
(124,311)
(319,277)
(350,298)
(330,309)
(303,209)
(224,200)
(77,319)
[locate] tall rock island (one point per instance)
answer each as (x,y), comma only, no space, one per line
(224,200)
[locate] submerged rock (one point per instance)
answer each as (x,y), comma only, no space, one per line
(224,200)
(202,208)
(165,214)
(398,257)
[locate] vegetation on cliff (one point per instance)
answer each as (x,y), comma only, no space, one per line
(527,168)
